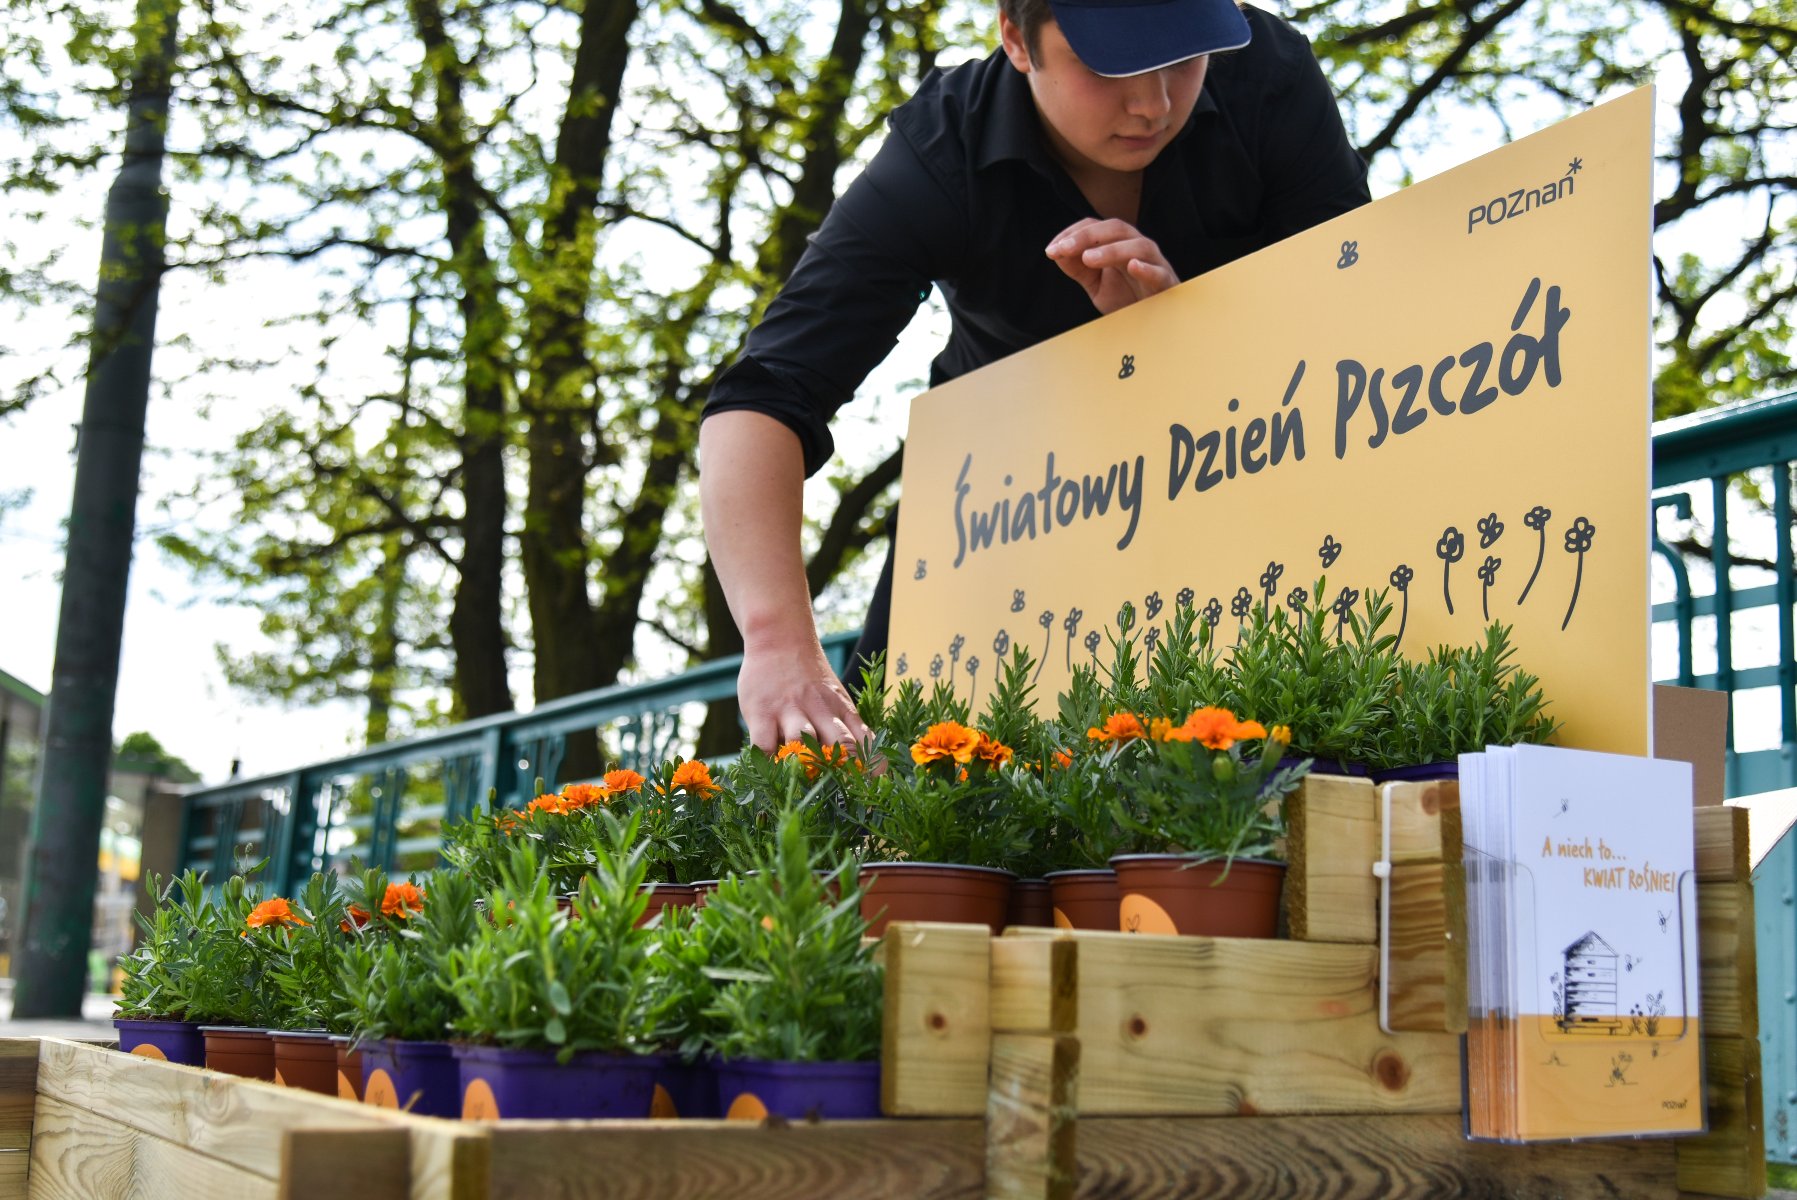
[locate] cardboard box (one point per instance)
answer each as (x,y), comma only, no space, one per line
(1691,725)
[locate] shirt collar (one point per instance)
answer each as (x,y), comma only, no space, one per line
(1013,129)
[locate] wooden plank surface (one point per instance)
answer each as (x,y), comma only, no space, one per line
(1428,947)
(1729,1160)
(937,1025)
(1728,960)
(1218,1026)
(1425,821)
(374,1163)
(1032,1117)
(1035,984)
(79,1155)
(1333,838)
(1724,852)
(18,1092)
(736,1160)
(1353,1158)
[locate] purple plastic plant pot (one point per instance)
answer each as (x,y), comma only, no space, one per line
(686,1089)
(751,1089)
(419,1077)
(1418,773)
(1324,766)
(499,1082)
(167,1041)
(237,1050)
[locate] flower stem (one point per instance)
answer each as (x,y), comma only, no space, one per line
(1577,579)
(1540,553)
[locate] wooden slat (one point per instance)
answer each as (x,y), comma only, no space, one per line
(1031,1120)
(1354,1158)
(15,1171)
(1724,852)
(1217,1026)
(79,1155)
(319,1162)
(1729,987)
(1729,1160)
(1035,984)
(698,1160)
(1428,947)
(937,1026)
(1330,892)
(1425,821)
(18,1092)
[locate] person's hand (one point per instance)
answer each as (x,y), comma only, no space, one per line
(1113,261)
(787,692)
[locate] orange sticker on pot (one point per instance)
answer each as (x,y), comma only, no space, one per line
(278,1080)
(1061,921)
(479,1103)
(345,1089)
(747,1107)
(662,1105)
(1139,914)
(380,1091)
(146,1050)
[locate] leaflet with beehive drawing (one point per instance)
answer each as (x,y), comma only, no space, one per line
(1582,884)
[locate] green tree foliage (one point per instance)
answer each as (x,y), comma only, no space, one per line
(556,220)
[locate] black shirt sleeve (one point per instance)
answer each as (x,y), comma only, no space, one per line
(1311,171)
(894,231)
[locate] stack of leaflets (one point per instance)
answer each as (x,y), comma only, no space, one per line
(1581,909)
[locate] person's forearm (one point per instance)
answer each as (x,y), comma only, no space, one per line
(751,492)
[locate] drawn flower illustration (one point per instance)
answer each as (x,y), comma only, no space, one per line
(1017,600)
(904,665)
(1213,612)
(1536,518)
(1243,602)
(921,571)
(1185,597)
(1046,620)
(1401,575)
(1329,551)
(1488,576)
(936,667)
(1450,550)
(1578,541)
(973,679)
(1269,583)
(1296,599)
(954,657)
(1151,639)
(1071,624)
(1343,605)
(1151,607)
(1490,530)
(1001,645)
(1091,643)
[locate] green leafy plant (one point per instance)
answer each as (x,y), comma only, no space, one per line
(394,987)
(1460,700)
(158,976)
(226,978)
(678,809)
(569,978)
(300,956)
(761,788)
(794,980)
(940,799)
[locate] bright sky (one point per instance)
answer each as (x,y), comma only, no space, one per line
(170,682)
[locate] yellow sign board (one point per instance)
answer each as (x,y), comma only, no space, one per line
(1444,394)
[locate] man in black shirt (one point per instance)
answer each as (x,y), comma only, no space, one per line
(1101,156)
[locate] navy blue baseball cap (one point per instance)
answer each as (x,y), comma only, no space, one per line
(1129,37)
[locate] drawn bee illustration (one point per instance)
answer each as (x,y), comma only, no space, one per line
(1630,962)
(1665,918)
(1565,807)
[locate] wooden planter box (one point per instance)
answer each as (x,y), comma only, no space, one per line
(1040,1064)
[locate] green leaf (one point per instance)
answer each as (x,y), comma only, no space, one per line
(558,1000)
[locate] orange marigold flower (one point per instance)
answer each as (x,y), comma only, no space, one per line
(1118,727)
(1159,728)
(838,755)
(402,900)
(583,795)
(623,780)
(1213,727)
(1248,731)
(274,912)
(947,741)
(695,778)
(548,804)
(1062,759)
(994,752)
(358,917)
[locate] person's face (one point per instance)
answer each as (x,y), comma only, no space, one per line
(1094,121)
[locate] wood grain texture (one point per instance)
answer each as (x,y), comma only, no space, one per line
(1425,821)
(1035,984)
(1728,960)
(938,1020)
(1729,1160)
(735,1160)
(1032,1117)
(78,1155)
(1724,851)
(1353,1158)
(374,1162)
(1332,840)
(15,1172)
(1428,947)
(1218,1026)
(18,1091)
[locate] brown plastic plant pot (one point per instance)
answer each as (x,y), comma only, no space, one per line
(1084,899)
(665,895)
(1171,894)
(239,1051)
(307,1061)
(908,891)
(1032,904)
(349,1069)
